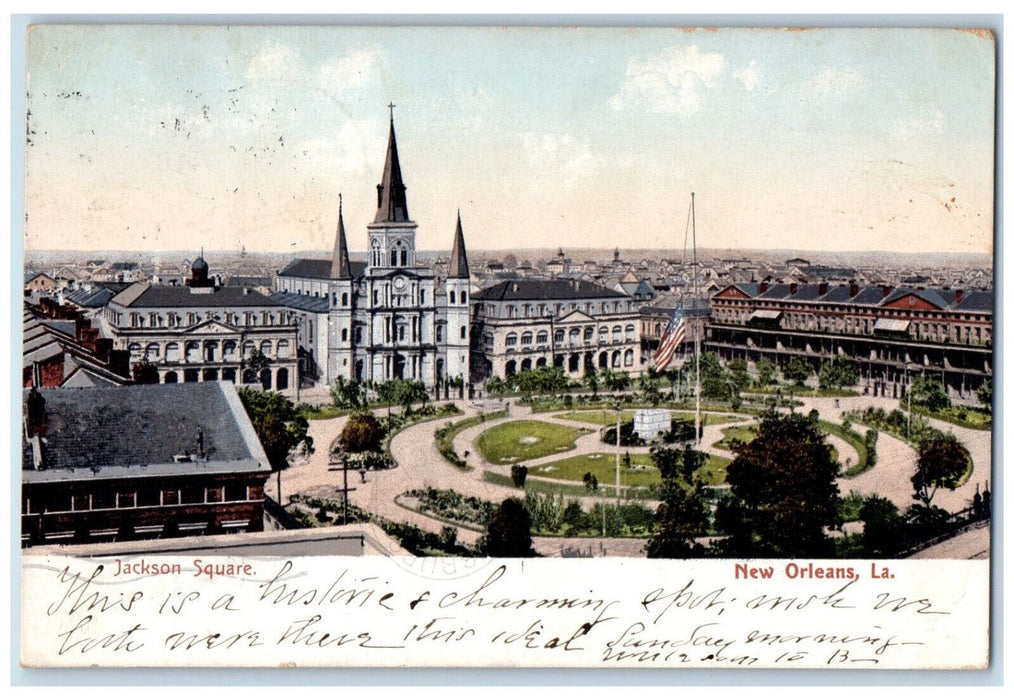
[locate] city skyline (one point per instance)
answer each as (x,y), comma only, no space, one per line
(174,138)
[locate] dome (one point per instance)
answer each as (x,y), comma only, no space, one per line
(199,266)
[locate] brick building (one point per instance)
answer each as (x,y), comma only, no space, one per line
(139,462)
(895,333)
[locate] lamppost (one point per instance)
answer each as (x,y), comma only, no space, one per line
(619,413)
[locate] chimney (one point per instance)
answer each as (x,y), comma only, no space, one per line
(793,287)
(885,289)
(88,337)
(853,288)
(822,288)
(35,413)
(959,294)
(119,362)
(103,346)
(763,287)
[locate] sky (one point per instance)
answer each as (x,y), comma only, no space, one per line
(181,137)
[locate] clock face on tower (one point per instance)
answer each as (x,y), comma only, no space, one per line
(399,283)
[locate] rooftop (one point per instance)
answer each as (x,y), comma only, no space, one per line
(131,431)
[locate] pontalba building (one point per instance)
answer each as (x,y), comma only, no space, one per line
(387,318)
(894,333)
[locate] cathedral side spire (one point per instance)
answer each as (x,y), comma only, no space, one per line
(392,206)
(340,267)
(458,268)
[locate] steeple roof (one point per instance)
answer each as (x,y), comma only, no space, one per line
(391,203)
(340,267)
(458,268)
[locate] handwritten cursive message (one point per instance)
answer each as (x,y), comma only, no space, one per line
(376,611)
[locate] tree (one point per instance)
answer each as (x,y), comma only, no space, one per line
(942,462)
(783,492)
(591,378)
(714,380)
(346,394)
(882,526)
(985,395)
(362,433)
(682,514)
(509,531)
(277,424)
(766,372)
(838,373)
(519,473)
(929,394)
(738,374)
(797,370)
(144,372)
(257,361)
(496,386)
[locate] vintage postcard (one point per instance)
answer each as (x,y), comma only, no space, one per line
(652,347)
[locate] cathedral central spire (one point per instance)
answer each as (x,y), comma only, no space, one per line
(392,206)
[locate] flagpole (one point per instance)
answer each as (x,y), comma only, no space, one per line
(697,327)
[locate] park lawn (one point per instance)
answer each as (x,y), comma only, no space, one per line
(597,417)
(642,471)
(744,433)
(522,440)
(964,416)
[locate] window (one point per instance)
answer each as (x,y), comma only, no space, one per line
(464,297)
(558,335)
(526,338)
(450,296)
(464,332)
(125,500)
(542,338)
(440,334)
(511,340)
(345,298)
(235,492)
(345,335)
(629,330)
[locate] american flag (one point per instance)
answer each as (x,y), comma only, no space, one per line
(675,334)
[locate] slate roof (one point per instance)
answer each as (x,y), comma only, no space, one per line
(148,296)
(872,295)
(90,298)
(311,268)
(533,289)
(128,431)
(303,302)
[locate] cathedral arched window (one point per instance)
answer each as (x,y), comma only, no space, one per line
(464,332)
(450,296)
(464,297)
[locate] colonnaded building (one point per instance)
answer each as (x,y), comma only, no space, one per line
(571,324)
(205,332)
(387,318)
(894,333)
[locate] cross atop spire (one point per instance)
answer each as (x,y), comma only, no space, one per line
(392,205)
(391,107)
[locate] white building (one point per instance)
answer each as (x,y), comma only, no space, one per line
(387,318)
(204,332)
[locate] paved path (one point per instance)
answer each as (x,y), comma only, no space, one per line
(972,544)
(420,465)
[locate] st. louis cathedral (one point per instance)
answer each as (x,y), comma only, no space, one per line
(387,318)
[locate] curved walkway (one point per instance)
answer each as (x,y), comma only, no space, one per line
(420,465)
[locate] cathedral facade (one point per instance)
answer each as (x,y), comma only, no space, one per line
(390,317)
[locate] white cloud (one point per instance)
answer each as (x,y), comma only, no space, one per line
(352,70)
(905,129)
(671,81)
(560,155)
(275,62)
(840,82)
(749,76)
